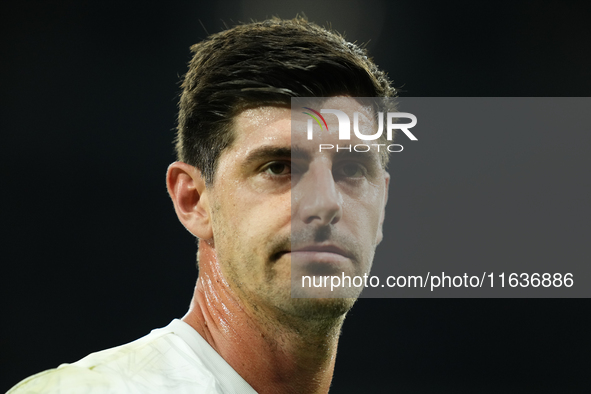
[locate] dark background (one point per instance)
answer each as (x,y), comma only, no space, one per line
(93,255)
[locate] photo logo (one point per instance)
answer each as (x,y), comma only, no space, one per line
(345,124)
(316,119)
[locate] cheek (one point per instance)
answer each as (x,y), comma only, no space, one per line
(364,221)
(248,219)
(266,218)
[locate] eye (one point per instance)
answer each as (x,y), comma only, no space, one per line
(278,168)
(352,170)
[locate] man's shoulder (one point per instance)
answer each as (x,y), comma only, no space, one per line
(67,379)
(161,362)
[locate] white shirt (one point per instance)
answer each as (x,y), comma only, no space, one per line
(174,359)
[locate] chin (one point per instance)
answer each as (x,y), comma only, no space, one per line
(314,309)
(298,291)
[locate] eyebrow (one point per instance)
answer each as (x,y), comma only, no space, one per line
(275,152)
(367,157)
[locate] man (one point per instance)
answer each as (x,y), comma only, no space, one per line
(242,186)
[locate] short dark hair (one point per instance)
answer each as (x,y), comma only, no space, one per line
(264,63)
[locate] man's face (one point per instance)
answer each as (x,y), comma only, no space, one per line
(277,199)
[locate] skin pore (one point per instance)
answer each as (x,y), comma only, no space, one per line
(257,223)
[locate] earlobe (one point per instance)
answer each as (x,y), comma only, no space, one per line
(186,188)
(383,213)
(387,181)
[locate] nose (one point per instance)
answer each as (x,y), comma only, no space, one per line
(321,203)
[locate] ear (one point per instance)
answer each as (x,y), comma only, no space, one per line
(187,190)
(383,213)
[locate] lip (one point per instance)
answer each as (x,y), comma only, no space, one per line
(328,254)
(327,248)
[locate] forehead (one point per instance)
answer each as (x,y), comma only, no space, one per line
(271,125)
(262,125)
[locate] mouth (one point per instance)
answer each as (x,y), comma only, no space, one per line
(319,248)
(321,257)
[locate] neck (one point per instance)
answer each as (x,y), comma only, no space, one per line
(273,354)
